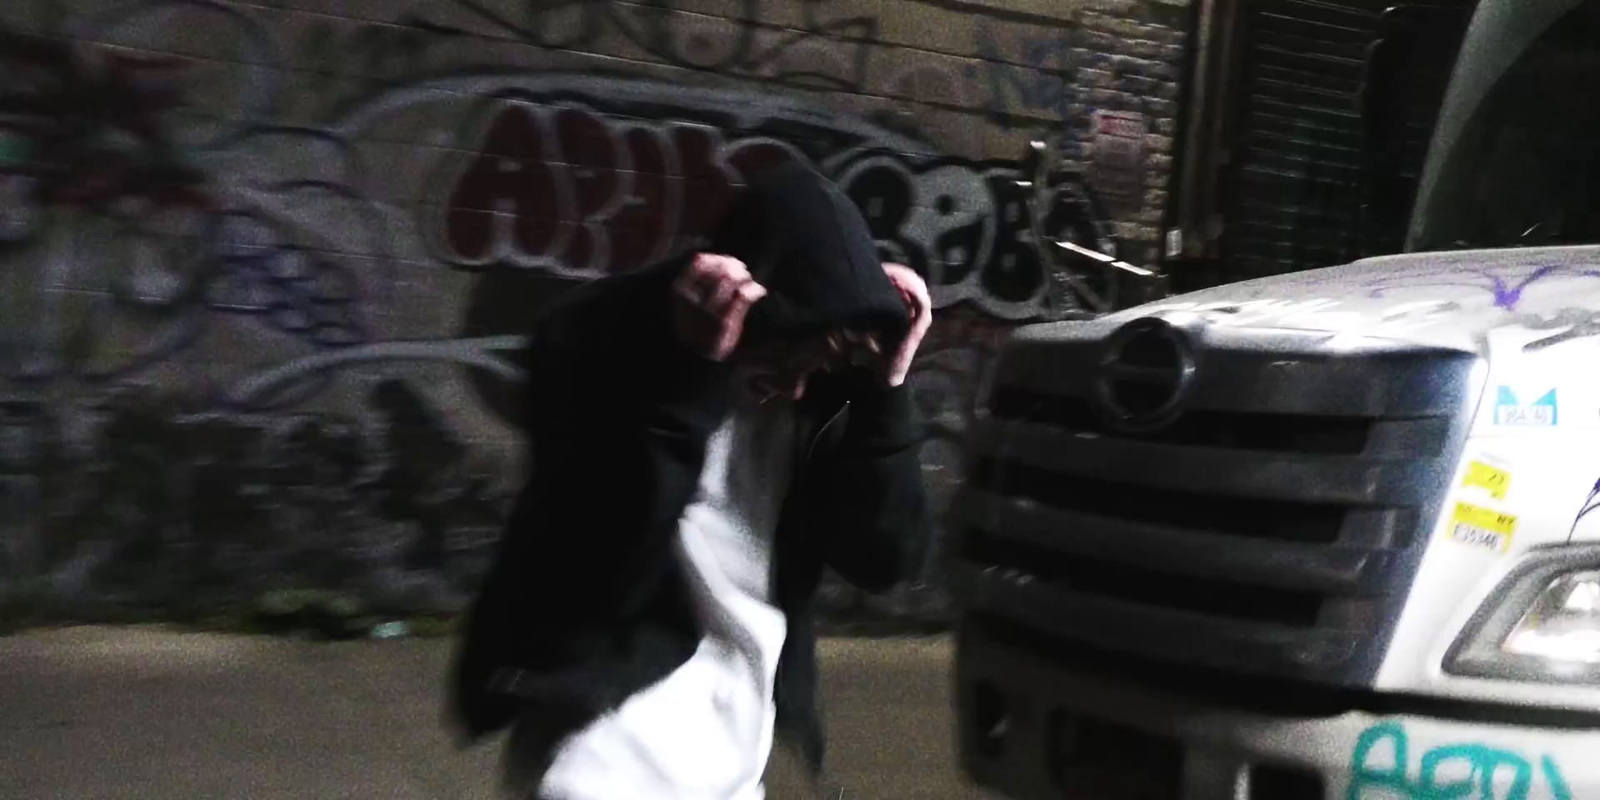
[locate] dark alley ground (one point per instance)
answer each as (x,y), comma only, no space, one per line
(101,713)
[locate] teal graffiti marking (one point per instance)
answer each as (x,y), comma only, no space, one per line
(1443,768)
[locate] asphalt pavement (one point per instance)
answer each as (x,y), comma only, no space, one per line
(132,713)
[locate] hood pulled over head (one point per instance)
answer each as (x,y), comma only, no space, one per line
(807,243)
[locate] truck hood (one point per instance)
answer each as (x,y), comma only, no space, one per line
(1451,299)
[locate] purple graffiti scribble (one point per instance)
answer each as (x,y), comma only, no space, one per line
(1592,503)
(175,205)
(1507,289)
(1589,505)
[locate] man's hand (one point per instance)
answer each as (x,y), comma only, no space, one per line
(915,292)
(709,303)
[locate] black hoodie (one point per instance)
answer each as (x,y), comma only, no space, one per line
(806,242)
(585,604)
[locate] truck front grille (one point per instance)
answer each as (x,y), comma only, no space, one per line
(1270,527)
(1281,432)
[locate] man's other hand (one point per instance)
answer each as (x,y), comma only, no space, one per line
(709,303)
(915,293)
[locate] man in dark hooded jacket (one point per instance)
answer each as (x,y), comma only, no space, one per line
(707,436)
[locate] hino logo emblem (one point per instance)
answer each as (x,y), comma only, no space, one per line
(1145,375)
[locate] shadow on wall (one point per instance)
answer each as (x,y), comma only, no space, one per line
(143,501)
(131,503)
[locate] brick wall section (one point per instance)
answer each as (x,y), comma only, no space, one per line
(264,263)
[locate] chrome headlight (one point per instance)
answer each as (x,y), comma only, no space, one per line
(1542,623)
(1564,623)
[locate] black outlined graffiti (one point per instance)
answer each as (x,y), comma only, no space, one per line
(1044,80)
(608,184)
(735,46)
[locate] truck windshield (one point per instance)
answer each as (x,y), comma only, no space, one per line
(1516,156)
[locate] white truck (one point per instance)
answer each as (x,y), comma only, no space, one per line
(1325,535)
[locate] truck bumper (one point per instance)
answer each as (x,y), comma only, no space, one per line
(1033,730)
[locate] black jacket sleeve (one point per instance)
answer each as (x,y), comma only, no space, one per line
(627,413)
(618,416)
(865,497)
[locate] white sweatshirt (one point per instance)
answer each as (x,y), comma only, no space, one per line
(706,730)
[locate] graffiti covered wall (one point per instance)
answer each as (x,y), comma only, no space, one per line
(263,265)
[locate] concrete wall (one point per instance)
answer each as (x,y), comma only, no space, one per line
(262,265)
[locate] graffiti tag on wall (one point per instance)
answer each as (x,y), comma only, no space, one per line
(581,191)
